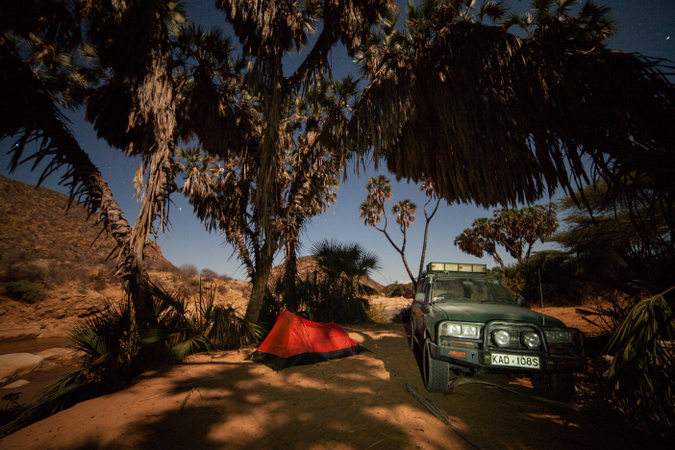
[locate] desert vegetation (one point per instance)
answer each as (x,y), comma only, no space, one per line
(272,144)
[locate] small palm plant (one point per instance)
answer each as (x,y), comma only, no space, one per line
(204,326)
(335,292)
(114,352)
(108,343)
(641,378)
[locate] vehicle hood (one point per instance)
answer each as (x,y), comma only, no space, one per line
(482,312)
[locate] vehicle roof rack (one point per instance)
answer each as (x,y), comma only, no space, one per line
(441,267)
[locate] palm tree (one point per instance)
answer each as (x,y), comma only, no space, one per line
(134,109)
(267,31)
(405,213)
(37,77)
(336,292)
(379,191)
(542,107)
(223,193)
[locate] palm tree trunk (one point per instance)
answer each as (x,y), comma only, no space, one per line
(267,195)
(262,275)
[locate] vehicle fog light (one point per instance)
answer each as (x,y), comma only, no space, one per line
(501,338)
(531,339)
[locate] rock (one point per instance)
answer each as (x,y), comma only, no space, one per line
(16,364)
(58,354)
(86,311)
(19,334)
(17,384)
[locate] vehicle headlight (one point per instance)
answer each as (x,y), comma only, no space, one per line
(459,330)
(531,339)
(558,336)
(501,338)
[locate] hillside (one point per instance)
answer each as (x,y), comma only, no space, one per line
(38,228)
(45,242)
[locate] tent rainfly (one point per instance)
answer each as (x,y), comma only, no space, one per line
(295,341)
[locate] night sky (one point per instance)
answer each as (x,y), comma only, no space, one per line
(646,27)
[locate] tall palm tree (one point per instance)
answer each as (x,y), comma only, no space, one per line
(129,93)
(38,77)
(267,30)
(372,213)
(224,193)
(497,120)
(134,109)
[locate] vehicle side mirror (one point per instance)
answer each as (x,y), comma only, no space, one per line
(419,297)
(521,301)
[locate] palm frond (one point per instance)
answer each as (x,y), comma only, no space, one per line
(641,378)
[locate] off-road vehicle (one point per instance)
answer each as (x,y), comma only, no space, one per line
(467,321)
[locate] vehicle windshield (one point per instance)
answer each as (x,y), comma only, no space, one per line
(482,290)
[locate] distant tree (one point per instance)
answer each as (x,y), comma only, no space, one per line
(373,212)
(621,241)
(517,230)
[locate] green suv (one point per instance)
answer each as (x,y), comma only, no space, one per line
(467,321)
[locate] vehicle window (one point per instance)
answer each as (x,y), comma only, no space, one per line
(471,289)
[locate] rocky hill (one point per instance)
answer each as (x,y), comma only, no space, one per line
(38,228)
(63,252)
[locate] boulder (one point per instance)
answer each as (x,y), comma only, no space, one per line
(16,364)
(16,385)
(18,333)
(59,354)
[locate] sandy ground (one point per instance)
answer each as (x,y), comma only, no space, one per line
(223,401)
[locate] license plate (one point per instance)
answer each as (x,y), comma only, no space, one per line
(500,359)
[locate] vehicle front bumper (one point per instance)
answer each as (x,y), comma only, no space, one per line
(482,359)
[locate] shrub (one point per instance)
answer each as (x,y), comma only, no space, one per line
(99,280)
(400,290)
(403,316)
(189,271)
(377,314)
(208,275)
(24,271)
(24,291)
(222,289)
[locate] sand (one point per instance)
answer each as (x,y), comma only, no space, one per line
(221,400)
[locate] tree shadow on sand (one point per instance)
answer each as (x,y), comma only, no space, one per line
(355,402)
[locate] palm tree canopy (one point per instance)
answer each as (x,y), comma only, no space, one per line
(495,119)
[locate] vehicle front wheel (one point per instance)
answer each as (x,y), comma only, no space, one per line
(436,373)
(555,386)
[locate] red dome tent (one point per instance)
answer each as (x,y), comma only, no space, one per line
(295,341)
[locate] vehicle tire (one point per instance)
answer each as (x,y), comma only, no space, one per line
(555,386)
(436,373)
